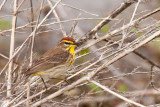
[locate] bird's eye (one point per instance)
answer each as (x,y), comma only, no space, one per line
(67,43)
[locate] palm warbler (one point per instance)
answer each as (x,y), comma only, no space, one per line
(55,62)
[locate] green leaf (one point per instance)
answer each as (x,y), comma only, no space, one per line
(105,29)
(133,28)
(158,38)
(123,88)
(84,51)
(95,87)
(4,24)
(140,33)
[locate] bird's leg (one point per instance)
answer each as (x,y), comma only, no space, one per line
(65,80)
(61,79)
(43,81)
(56,78)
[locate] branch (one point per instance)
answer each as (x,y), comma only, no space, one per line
(20,47)
(59,92)
(12,42)
(118,95)
(4,1)
(57,17)
(115,13)
(93,73)
(117,30)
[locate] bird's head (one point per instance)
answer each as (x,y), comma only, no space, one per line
(68,43)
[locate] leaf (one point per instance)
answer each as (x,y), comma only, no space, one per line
(133,28)
(84,51)
(140,33)
(105,29)
(4,24)
(158,28)
(158,38)
(123,88)
(95,87)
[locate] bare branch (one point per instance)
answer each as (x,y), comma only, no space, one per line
(118,95)
(116,12)
(9,81)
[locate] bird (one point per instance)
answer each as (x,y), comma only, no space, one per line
(55,62)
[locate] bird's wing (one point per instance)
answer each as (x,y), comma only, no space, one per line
(47,62)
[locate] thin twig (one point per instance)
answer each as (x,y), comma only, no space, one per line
(29,37)
(34,34)
(4,1)
(92,74)
(19,6)
(28,25)
(135,9)
(32,15)
(57,17)
(32,45)
(79,9)
(125,34)
(116,12)
(117,30)
(5,57)
(12,42)
(117,95)
(146,59)
(59,92)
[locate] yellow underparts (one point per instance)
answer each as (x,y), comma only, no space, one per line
(71,49)
(39,73)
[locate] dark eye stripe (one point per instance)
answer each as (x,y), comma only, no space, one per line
(67,43)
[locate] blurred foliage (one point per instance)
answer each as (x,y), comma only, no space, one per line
(72,92)
(4,24)
(94,87)
(133,28)
(123,88)
(158,3)
(155,44)
(85,57)
(105,29)
(84,51)
(140,33)
(158,38)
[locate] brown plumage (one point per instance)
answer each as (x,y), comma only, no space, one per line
(57,57)
(49,61)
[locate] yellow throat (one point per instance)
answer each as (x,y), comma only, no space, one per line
(72,50)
